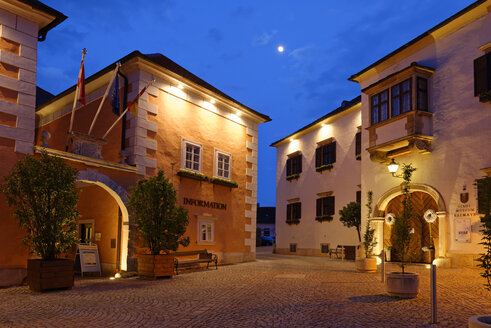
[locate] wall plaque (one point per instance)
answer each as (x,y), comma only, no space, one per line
(463,230)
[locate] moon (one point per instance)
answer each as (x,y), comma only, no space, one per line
(281,49)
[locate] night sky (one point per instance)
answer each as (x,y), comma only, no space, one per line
(232,44)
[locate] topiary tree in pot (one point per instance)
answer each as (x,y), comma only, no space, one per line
(403,284)
(369,263)
(43,194)
(350,216)
(160,223)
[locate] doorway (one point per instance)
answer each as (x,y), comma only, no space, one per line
(423,236)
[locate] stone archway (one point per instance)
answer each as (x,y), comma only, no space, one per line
(427,195)
(119,194)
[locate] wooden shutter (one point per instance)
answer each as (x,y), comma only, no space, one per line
(318,210)
(483,195)
(330,205)
(358,143)
(333,152)
(482,74)
(299,164)
(288,211)
(358,196)
(298,210)
(288,167)
(318,157)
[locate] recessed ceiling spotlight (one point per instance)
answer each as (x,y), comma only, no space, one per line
(180,86)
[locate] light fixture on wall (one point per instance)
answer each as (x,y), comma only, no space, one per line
(393,167)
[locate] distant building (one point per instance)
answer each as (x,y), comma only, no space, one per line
(426,103)
(265,221)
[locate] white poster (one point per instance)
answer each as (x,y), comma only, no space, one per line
(463,230)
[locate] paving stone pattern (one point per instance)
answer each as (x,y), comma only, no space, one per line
(274,291)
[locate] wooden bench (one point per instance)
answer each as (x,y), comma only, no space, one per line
(200,256)
(338,251)
(343,251)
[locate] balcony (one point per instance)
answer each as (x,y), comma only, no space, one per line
(402,134)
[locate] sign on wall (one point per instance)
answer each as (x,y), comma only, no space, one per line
(463,230)
(89,258)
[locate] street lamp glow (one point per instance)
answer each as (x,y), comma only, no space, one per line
(281,49)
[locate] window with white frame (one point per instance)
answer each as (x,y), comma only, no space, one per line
(191,155)
(223,165)
(206,231)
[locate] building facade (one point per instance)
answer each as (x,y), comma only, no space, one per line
(426,103)
(318,172)
(203,140)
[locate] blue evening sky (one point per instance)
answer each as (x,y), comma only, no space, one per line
(232,45)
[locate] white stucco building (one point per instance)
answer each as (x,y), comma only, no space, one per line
(428,104)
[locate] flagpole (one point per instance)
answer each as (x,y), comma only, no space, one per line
(111,81)
(126,110)
(77,90)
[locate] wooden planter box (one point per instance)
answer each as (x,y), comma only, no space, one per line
(154,266)
(46,275)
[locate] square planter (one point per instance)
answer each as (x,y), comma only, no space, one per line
(47,275)
(154,266)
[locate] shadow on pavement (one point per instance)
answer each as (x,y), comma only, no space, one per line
(380,298)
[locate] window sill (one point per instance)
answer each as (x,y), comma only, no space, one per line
(292,177)
(192,175)
(398,117)
(328,167)
(324,218)
(223,182)
(293,221)
(206,243)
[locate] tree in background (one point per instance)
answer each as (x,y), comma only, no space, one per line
(350,216)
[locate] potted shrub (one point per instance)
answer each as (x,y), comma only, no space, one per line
(368,263)
(160,223)
(484,260)
(403,284)
(44,197)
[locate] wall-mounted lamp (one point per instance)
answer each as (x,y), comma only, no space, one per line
(393,167)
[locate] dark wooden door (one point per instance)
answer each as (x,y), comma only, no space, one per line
(421,202)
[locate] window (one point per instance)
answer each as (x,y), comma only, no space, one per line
(358,196)
(358,146)
(293,213)
(206,231)
(191,156)
(325,156)
(223,162)
(293,167)
(401,99)
(482,77)
(324,209)
(293,248)
(324,248)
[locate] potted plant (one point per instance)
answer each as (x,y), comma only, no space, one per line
(160,223)
(403,284)
(44,197)
(368,263)
(484,260)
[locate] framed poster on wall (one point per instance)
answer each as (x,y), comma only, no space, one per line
(463,230)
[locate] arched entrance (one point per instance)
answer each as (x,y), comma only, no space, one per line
(424,197)
(106,201)
(425,235)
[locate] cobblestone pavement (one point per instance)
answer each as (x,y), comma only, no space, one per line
(274,291)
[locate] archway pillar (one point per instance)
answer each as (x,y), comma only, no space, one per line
(442,233)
